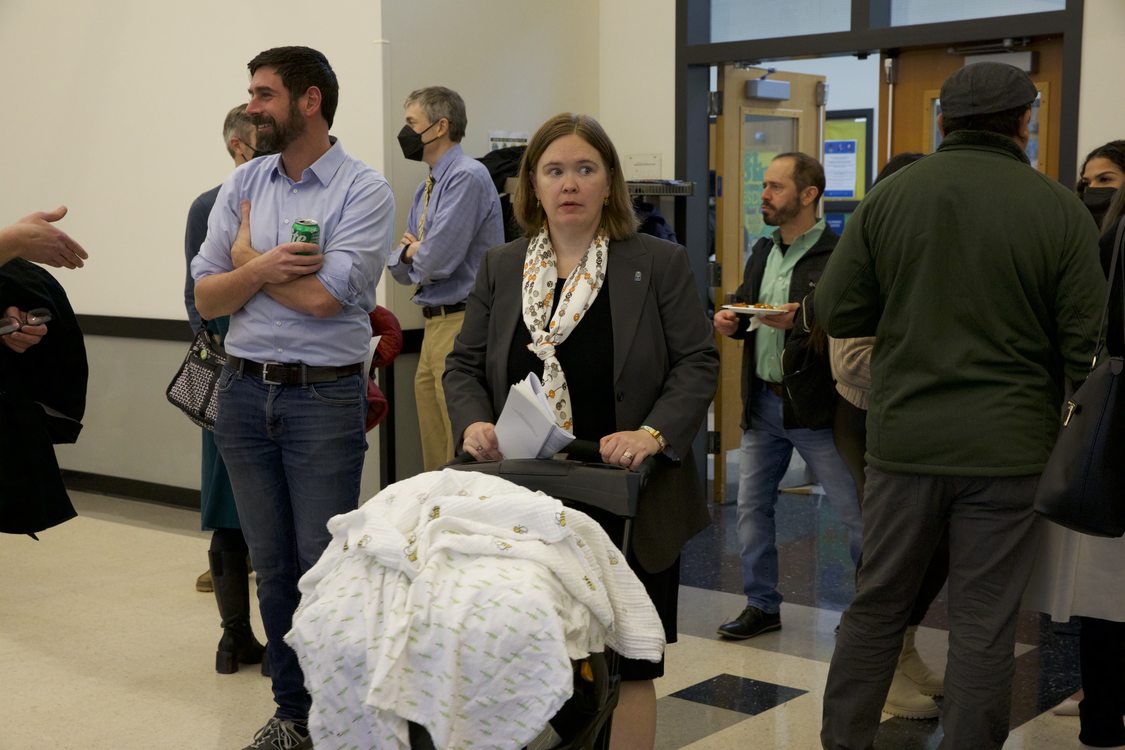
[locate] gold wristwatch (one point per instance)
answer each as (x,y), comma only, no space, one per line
(656,435)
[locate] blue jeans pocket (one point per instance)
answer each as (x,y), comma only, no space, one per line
(226,379)
(343,392)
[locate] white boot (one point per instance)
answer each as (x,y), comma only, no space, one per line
(912,668)
(904,700)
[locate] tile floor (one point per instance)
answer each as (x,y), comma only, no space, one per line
(105,644)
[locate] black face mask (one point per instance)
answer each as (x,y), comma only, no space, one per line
(411,143)
(1098,200)
(255,153)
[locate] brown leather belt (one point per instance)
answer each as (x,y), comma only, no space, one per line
(777,388)
(284,373)
(442,310)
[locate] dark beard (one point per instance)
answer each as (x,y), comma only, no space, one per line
(279,137)
(782,214)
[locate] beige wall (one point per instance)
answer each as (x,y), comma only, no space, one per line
(637,73)
(521,63)
(120,107)
(125,103)
(130,430)
(1102,110)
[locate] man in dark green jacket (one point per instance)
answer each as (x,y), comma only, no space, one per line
(979,277)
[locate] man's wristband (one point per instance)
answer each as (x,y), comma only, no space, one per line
(656,436)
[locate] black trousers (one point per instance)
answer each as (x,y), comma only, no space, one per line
(1101,649)
(991,527)
(849,431)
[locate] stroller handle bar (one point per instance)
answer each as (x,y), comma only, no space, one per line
(578,476)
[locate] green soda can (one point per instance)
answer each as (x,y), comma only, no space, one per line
(306,230)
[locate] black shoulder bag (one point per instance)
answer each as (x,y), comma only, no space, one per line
(1083,485)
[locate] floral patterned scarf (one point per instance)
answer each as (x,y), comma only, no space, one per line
(540,284)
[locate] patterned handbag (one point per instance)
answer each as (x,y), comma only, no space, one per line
(193,389)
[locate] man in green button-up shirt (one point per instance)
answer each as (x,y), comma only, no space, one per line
(779,413)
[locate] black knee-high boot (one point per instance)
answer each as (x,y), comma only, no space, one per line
(232,592)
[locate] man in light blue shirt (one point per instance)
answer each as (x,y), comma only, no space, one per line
(292,398)
(454,219)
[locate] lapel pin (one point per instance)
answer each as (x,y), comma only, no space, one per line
(637,276)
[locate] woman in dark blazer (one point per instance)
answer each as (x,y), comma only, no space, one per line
(613,324)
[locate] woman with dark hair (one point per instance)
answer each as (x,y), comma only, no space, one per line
(1103,171)
(1077,575)
(612,323)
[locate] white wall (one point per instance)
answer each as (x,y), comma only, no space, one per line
(1101,110)
(637,92)
(514,62)
(130,430)
(115,109)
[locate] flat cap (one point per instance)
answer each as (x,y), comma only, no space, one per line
(985,87)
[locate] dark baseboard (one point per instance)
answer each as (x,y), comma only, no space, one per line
(135,328)
(132,489)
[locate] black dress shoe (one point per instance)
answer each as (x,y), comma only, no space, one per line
(750,623)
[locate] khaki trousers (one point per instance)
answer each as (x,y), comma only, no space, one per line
(433,419)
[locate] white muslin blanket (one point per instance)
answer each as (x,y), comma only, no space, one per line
(457,600)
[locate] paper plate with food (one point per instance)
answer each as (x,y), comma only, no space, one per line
(754,308)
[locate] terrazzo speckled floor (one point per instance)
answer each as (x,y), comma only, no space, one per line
(104,643)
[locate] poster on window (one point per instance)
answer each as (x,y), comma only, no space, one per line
(840,169)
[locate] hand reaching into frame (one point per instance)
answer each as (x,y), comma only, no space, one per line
(35,238)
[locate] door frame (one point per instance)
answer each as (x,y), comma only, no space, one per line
(803,111)
(870,32)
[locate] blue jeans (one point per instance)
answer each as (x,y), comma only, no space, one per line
(295,455)
(766,450)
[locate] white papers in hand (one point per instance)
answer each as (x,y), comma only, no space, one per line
(526,428)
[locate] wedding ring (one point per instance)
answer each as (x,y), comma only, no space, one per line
(627,457)
(479,447)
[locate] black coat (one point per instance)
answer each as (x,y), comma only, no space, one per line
(42,400)
(1115,332)
(819,399)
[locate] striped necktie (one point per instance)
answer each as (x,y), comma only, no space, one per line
(425,206)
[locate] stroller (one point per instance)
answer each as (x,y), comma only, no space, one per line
(583,720)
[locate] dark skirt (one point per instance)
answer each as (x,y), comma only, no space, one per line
(216,501)
(216,498)
(663,588)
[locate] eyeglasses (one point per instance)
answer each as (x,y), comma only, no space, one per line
(36,317)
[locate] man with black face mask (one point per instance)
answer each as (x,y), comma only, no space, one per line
(454,218)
